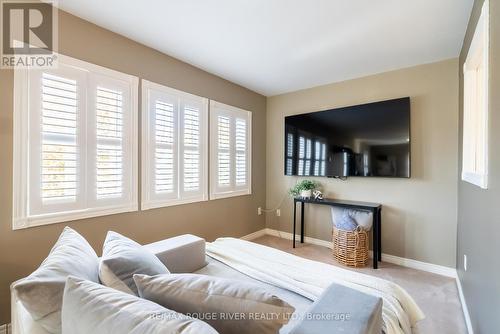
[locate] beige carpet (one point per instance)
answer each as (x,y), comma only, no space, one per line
(436,295)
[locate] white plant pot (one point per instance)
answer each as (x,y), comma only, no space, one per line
(306,193)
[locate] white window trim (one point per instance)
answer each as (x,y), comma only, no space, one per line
(20,217)
(234,191)
(478,178)
(146,184)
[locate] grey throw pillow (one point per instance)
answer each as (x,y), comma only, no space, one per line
(122,258)
(362,218)
(93,308)
(347,223)
(230,306)
(42,292)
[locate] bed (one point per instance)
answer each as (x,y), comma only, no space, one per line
(365,310)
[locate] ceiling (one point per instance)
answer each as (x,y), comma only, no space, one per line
(278,46)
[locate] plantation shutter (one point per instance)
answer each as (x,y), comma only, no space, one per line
(193,123)
(111,160)
(109,125)
(59,138)
(57,109)
(74,143)
(174,143)
(165,154)
(224,151)
(230,150)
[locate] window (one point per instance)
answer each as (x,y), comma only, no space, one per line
(174,147)
(75,146)
(230,151)
(475,122)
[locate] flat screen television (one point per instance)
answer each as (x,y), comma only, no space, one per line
(370,139)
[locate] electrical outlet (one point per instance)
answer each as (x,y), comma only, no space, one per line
(465,262)
(259,211)
(278,212)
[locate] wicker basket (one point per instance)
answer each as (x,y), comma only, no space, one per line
(350,247)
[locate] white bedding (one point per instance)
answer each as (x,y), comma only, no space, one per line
(309,278)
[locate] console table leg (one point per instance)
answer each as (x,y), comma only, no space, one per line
(375,239)
(294,220)
(302,223)
(379,219)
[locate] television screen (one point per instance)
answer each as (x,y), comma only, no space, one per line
(365,140)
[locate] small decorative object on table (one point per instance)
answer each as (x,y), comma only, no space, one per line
(318,195)
(304,188)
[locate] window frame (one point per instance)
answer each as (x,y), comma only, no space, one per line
(23,139)
(147,200)
(220,109)
(475,119)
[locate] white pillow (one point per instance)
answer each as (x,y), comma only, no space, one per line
(42,292)
(122,258)
(90,308)
(234,306)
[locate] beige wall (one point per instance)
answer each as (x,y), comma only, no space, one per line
(419,216)
(22,251)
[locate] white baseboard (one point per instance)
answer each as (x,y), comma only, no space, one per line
(464,307)
(5,329)
(404,262)
(289,236)
(254,235)
(424,266)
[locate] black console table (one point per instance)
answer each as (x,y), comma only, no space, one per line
(374,208)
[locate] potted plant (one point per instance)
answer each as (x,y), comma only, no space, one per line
(304,188)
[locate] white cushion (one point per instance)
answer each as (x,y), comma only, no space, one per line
(90,308)
(182,254)
(122,258)
(233,305)
(42,292)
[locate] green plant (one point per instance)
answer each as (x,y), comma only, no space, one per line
(303,185)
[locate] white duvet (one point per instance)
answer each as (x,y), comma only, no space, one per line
(309,278)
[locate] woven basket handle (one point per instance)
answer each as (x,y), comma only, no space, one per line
(358,239)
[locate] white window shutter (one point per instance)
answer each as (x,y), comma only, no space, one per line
(224,166)
(109,155)
(165,153)
(174,147)
(56,141)
(111,166)
(241,152)
(230,151)
(59,138)
(193,148)
(81,155)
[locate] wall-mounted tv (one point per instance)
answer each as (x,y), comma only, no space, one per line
(365,140)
